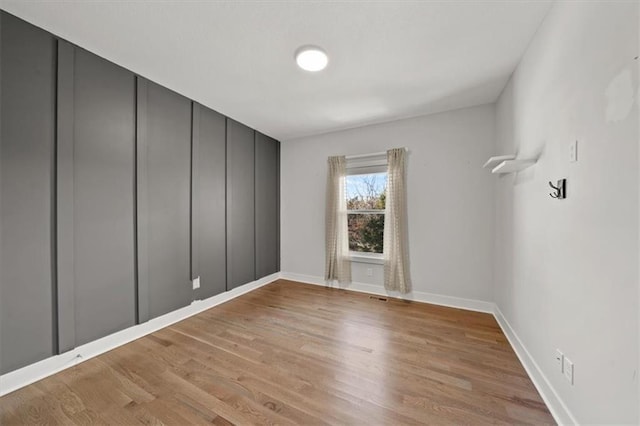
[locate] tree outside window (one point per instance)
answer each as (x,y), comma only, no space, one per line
(366,196)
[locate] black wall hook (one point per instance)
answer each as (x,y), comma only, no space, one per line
(560,189)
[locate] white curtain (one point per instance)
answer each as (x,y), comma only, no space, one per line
(396,235)
(338,264)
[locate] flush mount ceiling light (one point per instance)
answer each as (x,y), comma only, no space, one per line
(311,58)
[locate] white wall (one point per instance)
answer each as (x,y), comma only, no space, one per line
(450,199)
(567,270)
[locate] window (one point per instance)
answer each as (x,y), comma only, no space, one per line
(366,193)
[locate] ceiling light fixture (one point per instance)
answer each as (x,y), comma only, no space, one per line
(311,58)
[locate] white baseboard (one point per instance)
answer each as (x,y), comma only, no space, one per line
(557,407)
(14,380)
(418,296)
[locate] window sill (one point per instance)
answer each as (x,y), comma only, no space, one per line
(375,259)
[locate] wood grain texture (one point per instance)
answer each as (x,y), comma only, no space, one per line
(291,353)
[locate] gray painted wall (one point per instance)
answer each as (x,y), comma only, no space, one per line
(267,196)
(113,195)
(168,197)
(27,287)
(209,224)
(240,205)
(103,182)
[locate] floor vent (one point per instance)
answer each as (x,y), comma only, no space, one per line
(382,299)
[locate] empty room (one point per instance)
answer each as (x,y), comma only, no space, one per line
(319,212)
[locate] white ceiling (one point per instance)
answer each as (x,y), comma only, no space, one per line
(387,59)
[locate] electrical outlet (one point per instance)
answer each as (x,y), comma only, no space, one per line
(573,151)
(196,283)
(369,272)
(568,369)
(560,359)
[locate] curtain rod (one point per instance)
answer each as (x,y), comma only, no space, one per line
(373,154)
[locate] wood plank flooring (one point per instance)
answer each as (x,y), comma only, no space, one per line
(291,353)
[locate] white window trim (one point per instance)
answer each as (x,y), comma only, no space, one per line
(361,257)
(366,211)
(362,168)
(364,165)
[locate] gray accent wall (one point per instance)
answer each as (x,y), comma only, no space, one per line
(115,193)
(267,199)
(209,221)
(168,196)
(27,144)
(64,198)
(241,243)
(142,212)
(103,186)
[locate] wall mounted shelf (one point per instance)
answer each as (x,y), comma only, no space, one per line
(494,161)
(502,164)
(512,166)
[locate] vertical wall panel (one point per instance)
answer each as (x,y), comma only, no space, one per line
(240,205)
(279,203)
(142,208)
(103,209)
(167,138)
(195,191)
(27,143)
(64,198)
(267,190)
(209,201)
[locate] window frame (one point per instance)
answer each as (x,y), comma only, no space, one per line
(364,166)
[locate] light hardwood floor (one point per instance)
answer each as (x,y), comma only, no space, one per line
(291,353)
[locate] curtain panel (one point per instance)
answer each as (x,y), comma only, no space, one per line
(396,235)
(338,264)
